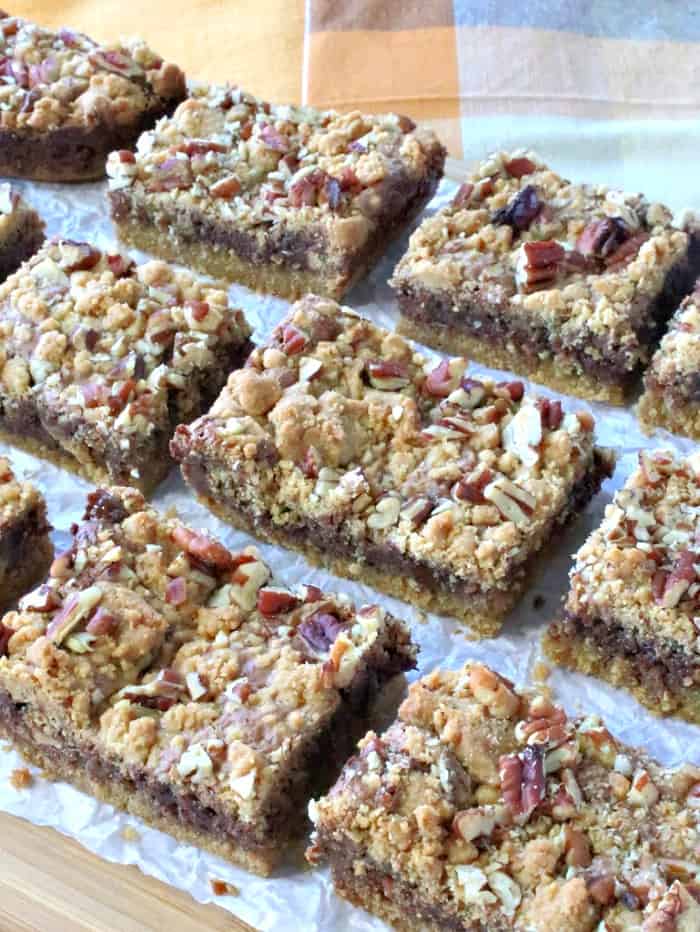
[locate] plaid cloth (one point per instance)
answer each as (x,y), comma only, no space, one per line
(607,91)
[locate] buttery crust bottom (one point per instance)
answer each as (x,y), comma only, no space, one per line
(550,372)
(135,802)
(655,410)
(583,655)
(29,568)
(85,468)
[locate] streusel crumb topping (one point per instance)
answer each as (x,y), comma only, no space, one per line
(16,498)
(336,417)
(498,809)
(641,567)
(677,360)
(51,79)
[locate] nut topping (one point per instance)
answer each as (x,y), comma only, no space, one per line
(521,211)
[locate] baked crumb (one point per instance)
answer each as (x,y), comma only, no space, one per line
(223,887)
(129,833)
(21,778)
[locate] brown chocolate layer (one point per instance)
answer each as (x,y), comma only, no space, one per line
(661,666)
(72,153)
(23,244)
(499,322)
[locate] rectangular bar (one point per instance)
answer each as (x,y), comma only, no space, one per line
(339,440)
(100,359)
(631,616)
(568,284)
(67,101)
(284,199)
(25,545)
(671,396)
(486,808)
(175,679)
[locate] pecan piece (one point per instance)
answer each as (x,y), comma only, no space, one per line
(320,630)
(627,251)
(203,548)
(521,210)
(5,635)
(273,601)
(464,192)
(602,237)
(171,175)
(386,375)
(538,262)
(523,780)
(518,167)
(293,340)
(670,588)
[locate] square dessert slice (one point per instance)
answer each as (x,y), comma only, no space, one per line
(671,396)
(486,808)
(21,230)
(100,359)
(339,440)
(283,199)
(565,283)
(25,545)
(68,101)
(632,615)
(173,678)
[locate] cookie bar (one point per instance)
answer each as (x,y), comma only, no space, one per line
(25,545)
(565,283)
(671,396)
(100,359)
(66,101)
(175,679)
(340,441)
(631,615)
(486,808)
(284,199)
(21,230)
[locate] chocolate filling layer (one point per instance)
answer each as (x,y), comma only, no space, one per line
(401,197)
(313,768)
(23,244)
(329,538)
(499,322)
(18,543)
(72,153)
(660,668)
(375,880)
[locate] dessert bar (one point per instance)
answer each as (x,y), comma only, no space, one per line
(671,396)
(284,199)
(486,809)
(177,680)
(100,359)
(25,545)
(339,440)
(66,101)
(21,230)
(632,613)
(566,283)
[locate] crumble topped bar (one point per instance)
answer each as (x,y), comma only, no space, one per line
(672,382)
(487,808)
(176,679)
(65,84)
(285,199)
(339,439)
(25,546)
(632,615)
(21,230)
(565,282)
(101,358)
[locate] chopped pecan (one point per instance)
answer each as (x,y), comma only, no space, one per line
(119,266)
(171,175)
(538,262)
(203,548)
(518,167)
(293,340)
(320,630)
(471,487)
(273,601)
(176,591)
(523,780)
(669,588)
(627,251)
(521,210)
(464,192)
(602,237)
(386,375)
(5,635)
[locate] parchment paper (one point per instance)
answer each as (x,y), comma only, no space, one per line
(297,895)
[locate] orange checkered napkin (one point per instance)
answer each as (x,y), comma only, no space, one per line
(452,63)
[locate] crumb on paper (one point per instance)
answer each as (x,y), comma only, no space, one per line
(541,672)
(129,833)
(223,888)
(539,602)
(6,748)
(21,778)
(421,616)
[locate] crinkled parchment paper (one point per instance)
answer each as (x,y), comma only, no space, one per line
(80,212)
